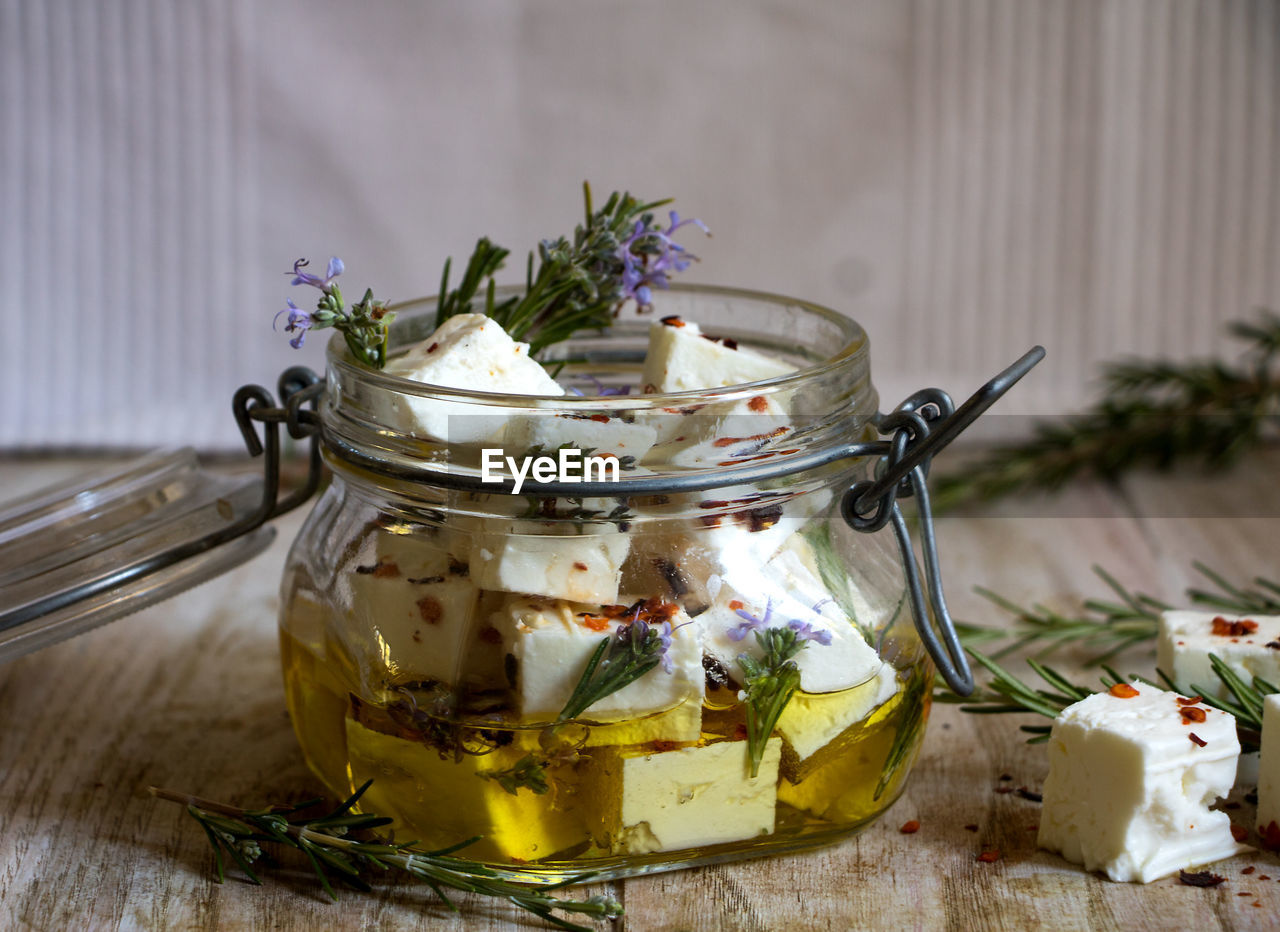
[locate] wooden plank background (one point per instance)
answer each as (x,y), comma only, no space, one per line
(188,695)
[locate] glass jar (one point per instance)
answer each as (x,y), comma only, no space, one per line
(436,628)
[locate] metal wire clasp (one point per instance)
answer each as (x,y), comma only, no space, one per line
(920,427)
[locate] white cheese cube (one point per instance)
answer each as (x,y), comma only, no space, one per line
(468,351)
(686,798)
(780,592)
(681,358)
(414,601)
(1131,780)
(1243,643)
(551,559)
(1269,773)
(600,433)
(551,642)
(811,722)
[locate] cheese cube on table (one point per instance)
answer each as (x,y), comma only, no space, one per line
(553,559)
(682,358)
(551,642)
(1248,644)
(467,351)
(415,601)
(777,593)
(685,798)
(1132,773)
(1269,774)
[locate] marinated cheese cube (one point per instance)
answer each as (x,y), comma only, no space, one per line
(599,433)
(1132,773)
(1242,642)
(469,351)
(777,593)
(1269,774)
(416,602)
(551,641)
(552,559)
(685,798)
(682,358)
(811,722)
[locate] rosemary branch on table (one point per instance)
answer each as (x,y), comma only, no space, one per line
(1152,413)
(338,844)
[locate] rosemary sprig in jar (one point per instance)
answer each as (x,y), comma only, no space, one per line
(336,844)
(1153,413)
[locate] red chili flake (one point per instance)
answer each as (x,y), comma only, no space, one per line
(1004,789)
(910,828)
(594,622)
(971,827)
(490,635)
(383,569)
(1200,879)
(730,441)
(580,566)
(1249,870)
(1274,645)
(433,347)
(1197,739)
(1244,893)
(662,745)
(425,580)
(600,418)
(1191,714)
(1194,700)
(740,731)
(758,403)
(430,609)
(1239,832)
(1233,629)
(673,321)
(990,855)
(1270,836)
(1263,877)
(1123,691)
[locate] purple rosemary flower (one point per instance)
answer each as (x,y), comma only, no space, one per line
(301,277)
(750,622)
(805,631)
(648,254)
(299,321)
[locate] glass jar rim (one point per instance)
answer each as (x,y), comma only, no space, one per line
(851,355)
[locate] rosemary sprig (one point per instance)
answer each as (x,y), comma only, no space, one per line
(1265,600)
(617,253)
(1110,627)
(335,846)
(1153,413)
(363,325)
(769,684)
(634,649)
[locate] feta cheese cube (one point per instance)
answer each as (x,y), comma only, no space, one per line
(681,358)
(551,641)
(720,433)
(686,798)
(1269,774)
(600,433)
(414,600)
(811,722)
(468,351)
(551,559)
(1243,643)
(1132,773)
(777,593)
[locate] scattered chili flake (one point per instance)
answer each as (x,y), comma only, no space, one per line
(1194,700)
(1123,691)
(1249,870)
(990,855)
(1263,877)
(740,731)
(1006,776)
(1191,714)
(1274,645)
(1197,739)
(425,580)
(1239,832)
(490,635)
(1004,789)
(1029,794)
(673,321)
(767,435)
(971,827)
(758,403)
(1270,836)
(1200,879)
(661,745)
(1233,629)
(737,604)
(458,568)
(580,566)
(1244,893)
(430,609)
(432,348)
(594,622)
(910,828)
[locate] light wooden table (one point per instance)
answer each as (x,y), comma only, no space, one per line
(188,695)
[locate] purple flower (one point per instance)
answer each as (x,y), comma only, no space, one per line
(306,278)
(649,254)
(807,632)
(750,622)
(299,320)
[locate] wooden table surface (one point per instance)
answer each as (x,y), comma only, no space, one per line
(188,695)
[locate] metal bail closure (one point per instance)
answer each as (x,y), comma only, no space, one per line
(920,427)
